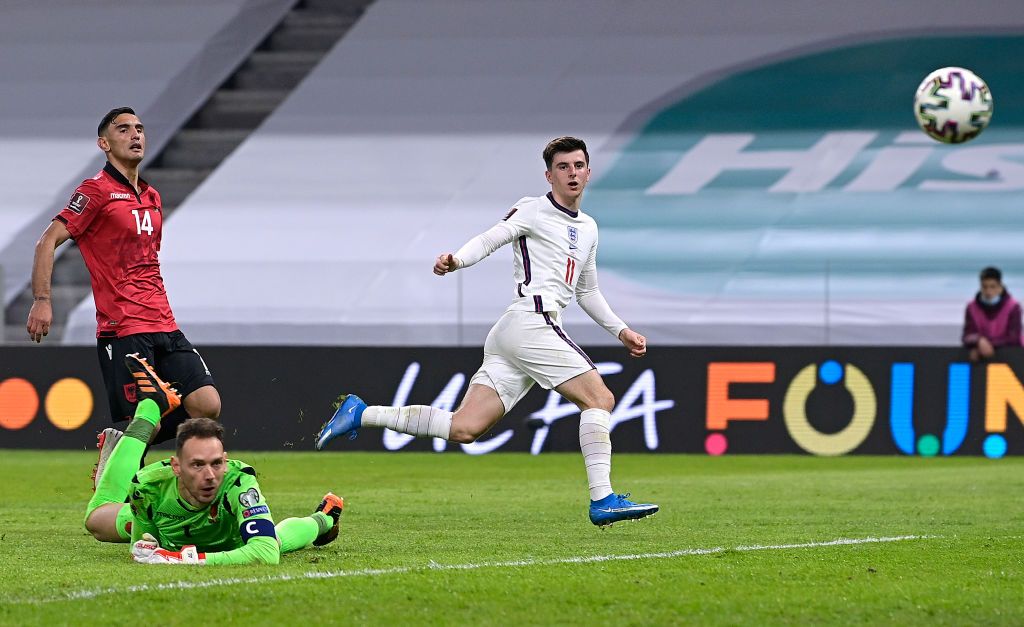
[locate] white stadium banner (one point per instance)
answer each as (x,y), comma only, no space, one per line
(757,175)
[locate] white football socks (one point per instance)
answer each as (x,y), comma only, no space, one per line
(596,445)
(418,420)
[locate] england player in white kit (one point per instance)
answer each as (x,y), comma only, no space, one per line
(555,248)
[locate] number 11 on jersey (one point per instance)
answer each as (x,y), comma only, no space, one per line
(570,270)
(145,224)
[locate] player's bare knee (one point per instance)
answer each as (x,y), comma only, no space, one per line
(101,536)
(204,408)
(598,399)
(95,526)
(213,410)
(462,436)
(463,430)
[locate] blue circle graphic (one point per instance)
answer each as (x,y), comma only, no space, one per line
(830,372)
(994,446)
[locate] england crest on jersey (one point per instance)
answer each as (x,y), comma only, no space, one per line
(574,236)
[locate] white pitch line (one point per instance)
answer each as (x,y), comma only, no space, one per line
(75,595)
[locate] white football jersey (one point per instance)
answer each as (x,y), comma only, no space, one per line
(555,258)
(552,247)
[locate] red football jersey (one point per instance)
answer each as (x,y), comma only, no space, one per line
(118,232)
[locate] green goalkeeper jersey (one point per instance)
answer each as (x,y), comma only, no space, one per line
(238,516)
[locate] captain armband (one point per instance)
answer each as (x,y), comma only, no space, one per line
(257,527)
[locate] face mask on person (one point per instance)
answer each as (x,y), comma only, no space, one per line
(991,300)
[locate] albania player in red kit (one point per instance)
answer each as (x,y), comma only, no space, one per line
(116,219)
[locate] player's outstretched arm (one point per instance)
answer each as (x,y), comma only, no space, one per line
(592,301)
(258,550)
(476,249)
(41,315)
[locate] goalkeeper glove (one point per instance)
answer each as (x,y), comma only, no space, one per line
(148,551)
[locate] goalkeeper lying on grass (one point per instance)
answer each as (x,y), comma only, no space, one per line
(198,507)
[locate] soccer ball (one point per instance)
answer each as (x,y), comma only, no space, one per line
(953,105)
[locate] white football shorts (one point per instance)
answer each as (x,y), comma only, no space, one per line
(524,347)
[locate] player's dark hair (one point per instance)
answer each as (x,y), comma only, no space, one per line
(992,272)
(564,144)
(198,428)
(109,117)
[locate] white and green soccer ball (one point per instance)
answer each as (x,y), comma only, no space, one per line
(953,105)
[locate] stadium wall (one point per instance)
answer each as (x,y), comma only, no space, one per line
(819,213)
(702,400)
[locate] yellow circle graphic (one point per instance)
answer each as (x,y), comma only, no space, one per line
(19,403)
(69,403)
(865,408)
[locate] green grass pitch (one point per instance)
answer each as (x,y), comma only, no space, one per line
(504,539)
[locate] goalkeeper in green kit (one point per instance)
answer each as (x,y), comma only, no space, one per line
(198,507)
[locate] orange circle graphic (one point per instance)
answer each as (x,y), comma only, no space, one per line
(19,403)
(69,403)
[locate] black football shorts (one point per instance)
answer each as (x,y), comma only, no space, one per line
(173,357)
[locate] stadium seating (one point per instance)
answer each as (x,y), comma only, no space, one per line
(64,63)
(425,124)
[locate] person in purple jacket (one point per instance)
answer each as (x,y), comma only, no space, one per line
(992,319)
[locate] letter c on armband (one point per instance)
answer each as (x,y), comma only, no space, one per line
(257,527)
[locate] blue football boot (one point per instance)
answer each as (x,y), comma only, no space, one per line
(616,507)
(346,420)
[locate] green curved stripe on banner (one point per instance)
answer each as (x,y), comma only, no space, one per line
(735,229)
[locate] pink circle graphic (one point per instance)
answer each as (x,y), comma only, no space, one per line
(716,444)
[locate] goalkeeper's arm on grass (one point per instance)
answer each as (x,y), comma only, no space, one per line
(259,550)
